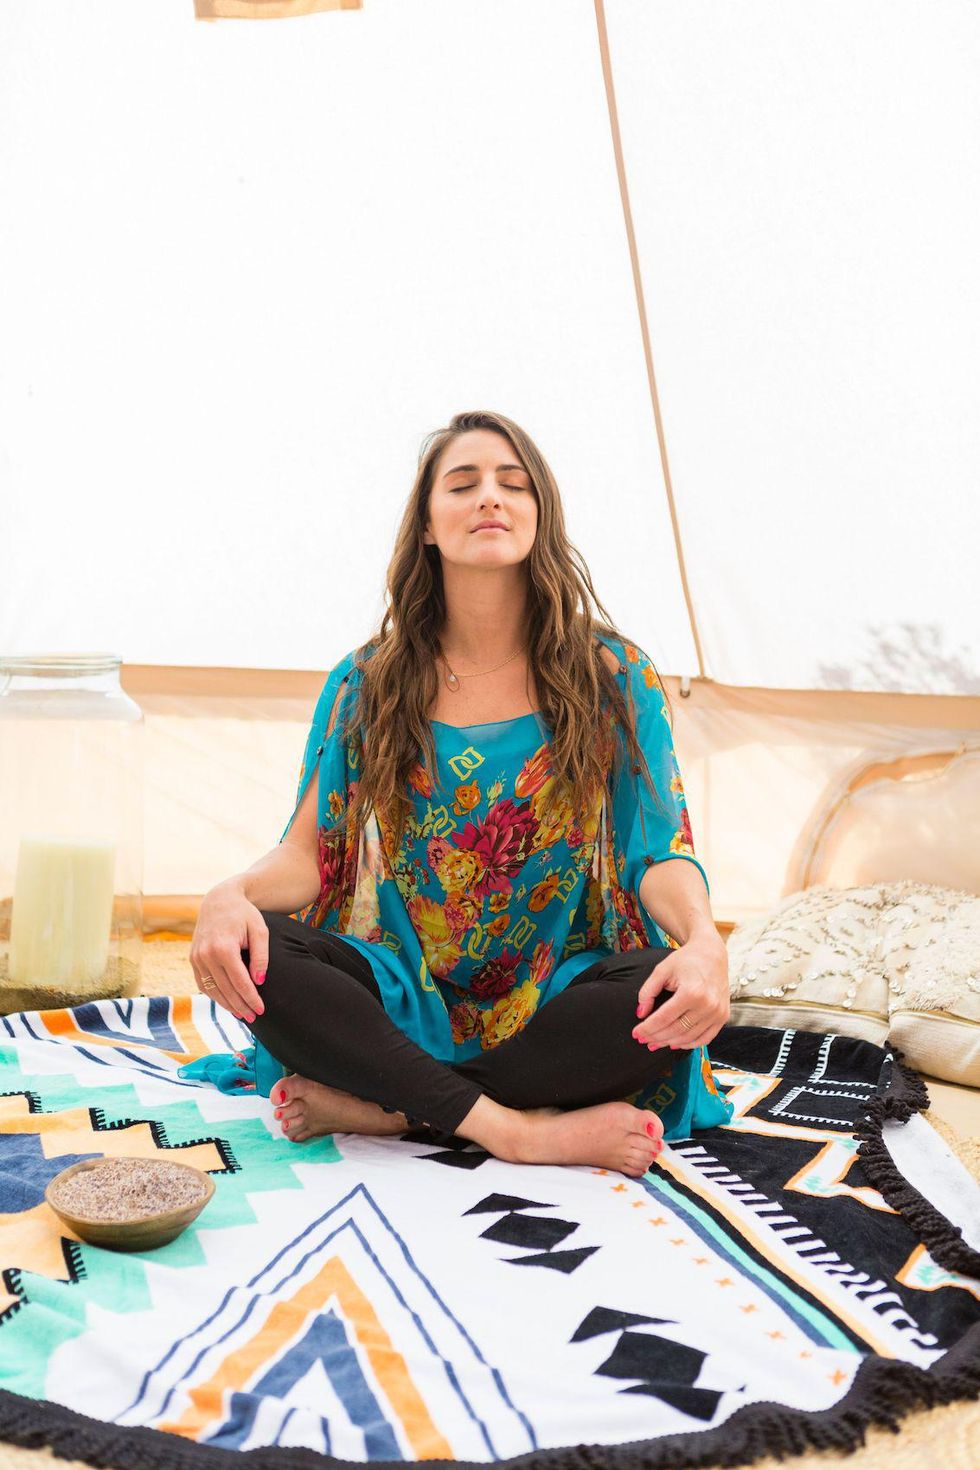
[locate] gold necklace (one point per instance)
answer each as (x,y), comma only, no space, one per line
(452,679)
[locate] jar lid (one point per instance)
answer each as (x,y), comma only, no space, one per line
(64,664)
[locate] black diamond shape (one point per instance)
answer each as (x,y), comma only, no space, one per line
(565,1261)
(656,1359)
(530,1231)
(496,1204)
(606,1319)
(698,1403)
(457,1160)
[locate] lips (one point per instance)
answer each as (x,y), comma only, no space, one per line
(490,526)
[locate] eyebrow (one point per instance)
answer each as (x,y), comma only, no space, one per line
(476,467)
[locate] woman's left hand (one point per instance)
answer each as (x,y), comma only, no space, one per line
(697,973)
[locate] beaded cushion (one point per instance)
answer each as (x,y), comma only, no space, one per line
(896,960)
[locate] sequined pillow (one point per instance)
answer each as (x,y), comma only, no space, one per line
(898,960)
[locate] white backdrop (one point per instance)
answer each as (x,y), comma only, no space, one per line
(245,268)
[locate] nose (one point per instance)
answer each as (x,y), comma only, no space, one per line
(490,497)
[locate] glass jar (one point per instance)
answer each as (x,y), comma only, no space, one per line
(71,832)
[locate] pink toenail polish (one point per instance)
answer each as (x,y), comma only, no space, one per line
(651,1130)
(286,1124)
(282,1097)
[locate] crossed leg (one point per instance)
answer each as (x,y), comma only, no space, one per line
(550,1094)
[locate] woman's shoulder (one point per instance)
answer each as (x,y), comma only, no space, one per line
(349,667)
(619,651)
(611,650)
(341,684)
(636,671)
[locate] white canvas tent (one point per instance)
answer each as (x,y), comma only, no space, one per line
(719,261)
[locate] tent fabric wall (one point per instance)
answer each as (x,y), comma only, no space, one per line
(892,818)
(720,251)
(762,770)
(313,242)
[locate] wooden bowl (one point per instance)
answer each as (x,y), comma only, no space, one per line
(138,1232)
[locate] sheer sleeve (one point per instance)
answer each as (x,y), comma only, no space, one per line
(325,755)
(325,752)
(647,829)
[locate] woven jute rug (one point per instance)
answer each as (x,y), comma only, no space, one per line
(639,1373)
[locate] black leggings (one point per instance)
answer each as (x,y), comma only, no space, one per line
(324,1019)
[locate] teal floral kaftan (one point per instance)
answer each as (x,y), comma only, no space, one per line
(496,899)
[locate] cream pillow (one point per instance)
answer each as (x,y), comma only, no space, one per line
(890,960)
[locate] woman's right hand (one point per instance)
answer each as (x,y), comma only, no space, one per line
(227,924)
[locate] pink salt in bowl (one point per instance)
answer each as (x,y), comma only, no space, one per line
(129,1203)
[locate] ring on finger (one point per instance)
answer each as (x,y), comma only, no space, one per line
(686,1022)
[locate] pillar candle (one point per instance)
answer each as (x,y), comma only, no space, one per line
(62,911)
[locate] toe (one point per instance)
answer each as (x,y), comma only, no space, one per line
(283,1090)
(652,1126)
(301,1086)
(642,1155)
(292,1113)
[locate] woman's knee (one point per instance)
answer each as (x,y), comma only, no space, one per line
(279,935)
(627,965)
(275,921)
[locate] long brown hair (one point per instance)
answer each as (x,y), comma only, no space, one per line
(399,680)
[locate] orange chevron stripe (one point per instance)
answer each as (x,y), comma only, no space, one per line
(181,1013)
(283,1324)
(70,1131)
(60,1023)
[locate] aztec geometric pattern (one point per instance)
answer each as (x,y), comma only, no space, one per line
(773,1283)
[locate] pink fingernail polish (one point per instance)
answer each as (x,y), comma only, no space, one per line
(654,1046)
(250,1016)
(259,979)
(639,1010)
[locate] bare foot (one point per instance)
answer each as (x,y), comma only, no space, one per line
(612,1135)
(312,1109)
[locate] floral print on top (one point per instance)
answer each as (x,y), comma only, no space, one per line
(496,898)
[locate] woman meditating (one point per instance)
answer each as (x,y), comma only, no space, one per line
(463,926)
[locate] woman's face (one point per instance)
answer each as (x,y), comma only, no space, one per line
(478,478)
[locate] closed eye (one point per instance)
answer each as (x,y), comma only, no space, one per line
(457,488)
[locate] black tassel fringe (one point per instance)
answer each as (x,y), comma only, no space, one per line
(884,1390)
(901,1093)
(882,1393)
